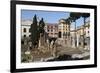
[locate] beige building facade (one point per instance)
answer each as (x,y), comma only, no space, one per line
(25,27)
(63,32)
(51,30)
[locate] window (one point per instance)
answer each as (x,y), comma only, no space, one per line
(55,26)
(24,36)
(56,33)
(24,29)
(68,33)
(51,27)
(29,29)
(51,30)
(88,31)
(22,41)
(51,33)
(59,34)
(48,30)
(29,35)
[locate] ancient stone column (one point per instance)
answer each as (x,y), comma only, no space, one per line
(77,40)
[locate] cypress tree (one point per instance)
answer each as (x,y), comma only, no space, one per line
(34,31)
(41,26)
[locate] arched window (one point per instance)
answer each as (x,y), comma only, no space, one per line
(59,34)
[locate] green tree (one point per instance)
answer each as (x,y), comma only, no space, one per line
(34,31)
(41,26)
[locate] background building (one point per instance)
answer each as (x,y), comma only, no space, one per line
(63,28)
(51,30)
(83,35)
(63,32)
(87,35)
(25,28)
